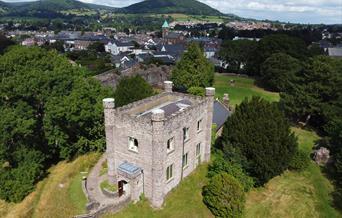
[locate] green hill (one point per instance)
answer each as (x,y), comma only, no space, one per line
(46,8)
(190,7)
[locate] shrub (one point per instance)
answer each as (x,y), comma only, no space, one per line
(300,161)
(220,165)
(199,91)
(224,196)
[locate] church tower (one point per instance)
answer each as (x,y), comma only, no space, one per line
(165,29)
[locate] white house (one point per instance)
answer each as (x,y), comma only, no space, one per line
(117,47)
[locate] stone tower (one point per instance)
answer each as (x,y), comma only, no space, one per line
(165,29)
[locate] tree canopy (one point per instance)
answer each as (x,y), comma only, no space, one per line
(277,43)
(259,131)
(193,70)
(50,110)
(132,89)
(316,95)
(278,71)
(237,53)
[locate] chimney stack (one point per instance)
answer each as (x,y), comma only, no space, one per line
(226,99)
(168,86)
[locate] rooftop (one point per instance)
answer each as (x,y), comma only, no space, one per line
(166,24)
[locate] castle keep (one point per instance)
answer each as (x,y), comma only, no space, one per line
(154,143)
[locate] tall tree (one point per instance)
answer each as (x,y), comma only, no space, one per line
(315,95)
(259,130)
(237,53)
(278,71)
(193,70)
(50,110)
(277,43)
(132,89)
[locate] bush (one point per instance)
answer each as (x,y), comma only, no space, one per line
(300,161)
(220,165)
(224,196)
(199,91)
(132,89)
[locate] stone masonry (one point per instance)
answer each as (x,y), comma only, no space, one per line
(163,137)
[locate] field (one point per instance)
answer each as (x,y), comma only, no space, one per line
(294,194)
(194,18)
(58,195)
(242,88)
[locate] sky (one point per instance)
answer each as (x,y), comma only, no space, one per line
(296,11)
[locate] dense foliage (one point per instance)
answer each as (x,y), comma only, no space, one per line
(237,54)
(49,110)
(278,43)
(278,71)
(4,43)
(259,130)
(222,165)
(315,96)
(193,70)
(132,89)
(224,196)
(199,91)
(300,161)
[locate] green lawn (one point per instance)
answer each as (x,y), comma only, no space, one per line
(185,201)
(243,88)
(105,185)
(294,194)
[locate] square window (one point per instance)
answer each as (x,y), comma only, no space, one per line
(133,144)
(169,173)
(185,133)
(185,160)
(170,145)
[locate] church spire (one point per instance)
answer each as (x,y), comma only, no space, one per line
(166,24)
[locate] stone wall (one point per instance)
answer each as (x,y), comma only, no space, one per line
(154,75)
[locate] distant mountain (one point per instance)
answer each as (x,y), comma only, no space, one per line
(60,8)
(46,8)
(190,7)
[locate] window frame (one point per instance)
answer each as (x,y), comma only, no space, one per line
(198,149)
(199,125)
(186,132)
(172,145)
(169,173)
(135,146)
(185,162)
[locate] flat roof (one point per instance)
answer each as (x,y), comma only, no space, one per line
(170,108)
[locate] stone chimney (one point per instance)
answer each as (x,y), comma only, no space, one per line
(226,100)
(210,95)
(168,86)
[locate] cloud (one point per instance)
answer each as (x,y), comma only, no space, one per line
(299,11)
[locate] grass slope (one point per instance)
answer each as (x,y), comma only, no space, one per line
(243,88)
(50,199)
(294,194)
(184,201)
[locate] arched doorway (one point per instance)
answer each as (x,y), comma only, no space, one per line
(122,185)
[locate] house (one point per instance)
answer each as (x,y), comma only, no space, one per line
(154,143)
(116,47)
(175,51)
(335,52)
(29,42)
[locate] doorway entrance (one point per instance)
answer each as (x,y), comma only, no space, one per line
(121,185)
